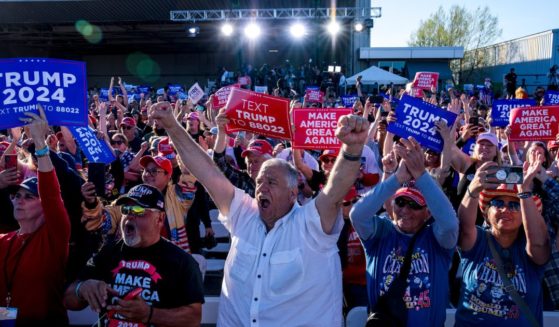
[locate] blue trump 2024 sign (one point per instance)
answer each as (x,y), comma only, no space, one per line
(500,111)
(551,97)
(349,100)
(58,85)
(417,118)
(94,149)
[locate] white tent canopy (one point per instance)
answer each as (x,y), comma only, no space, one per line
(374,75)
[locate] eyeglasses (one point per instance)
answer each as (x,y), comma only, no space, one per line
(401,202)
(116,142)
(24,196)
(499,204)
(347,203)
(135,210)
(153,171)
(328,160)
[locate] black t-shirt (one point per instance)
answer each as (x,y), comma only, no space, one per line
(168,276)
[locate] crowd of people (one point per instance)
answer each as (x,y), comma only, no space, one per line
(381,222)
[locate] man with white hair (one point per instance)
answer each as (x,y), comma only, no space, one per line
(283,268)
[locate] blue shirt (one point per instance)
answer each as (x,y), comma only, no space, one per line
(385,247)
(483,301)
(427,294)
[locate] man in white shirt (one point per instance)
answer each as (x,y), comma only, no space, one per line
(283,268)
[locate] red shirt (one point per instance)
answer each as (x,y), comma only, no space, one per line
(38,277)
(354,272)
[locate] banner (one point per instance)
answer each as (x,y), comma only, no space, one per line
(58,85)
(174,89)
(261,89)
(195,93)
(314,95)
(551,98)
(181,96)
(244,80)
(316,128)
(500,111)
(221,96)
(534,123)
(258,113)
(94,149)
(103,95)
(417,118)
(425,80)
(129,87)
(349,100)
(143,89)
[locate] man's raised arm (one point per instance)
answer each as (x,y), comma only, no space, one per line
(195,158)
(352,131)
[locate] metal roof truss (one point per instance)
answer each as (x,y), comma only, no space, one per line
(278,13)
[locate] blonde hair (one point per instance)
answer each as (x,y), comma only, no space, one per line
(520,93)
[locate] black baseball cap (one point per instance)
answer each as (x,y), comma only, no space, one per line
(31,185)
(145,196)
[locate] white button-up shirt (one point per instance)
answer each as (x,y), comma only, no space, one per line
(290,276)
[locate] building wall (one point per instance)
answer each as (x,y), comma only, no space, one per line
(530,56)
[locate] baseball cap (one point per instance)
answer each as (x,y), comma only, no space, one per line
(488,137)
(165,149)
(328,153)
(552,145)
(145,196)
(155,143)
(259,147)
(502,190)
(159,161)
(412,193)
(128,121)
(30,185)
(213,130)
(193,115)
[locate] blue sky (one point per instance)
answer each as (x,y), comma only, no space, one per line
(516,18)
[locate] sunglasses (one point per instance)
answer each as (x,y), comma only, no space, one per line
(153,171)
(401,202)
(499,204)
(135,210)
(347,203)
(328,160)
(19,196)
(116,142)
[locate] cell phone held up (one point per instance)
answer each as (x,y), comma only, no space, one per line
(96,175)
(474,120)
(507,175)
(10,161)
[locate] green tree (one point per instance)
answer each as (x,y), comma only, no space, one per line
(458,26)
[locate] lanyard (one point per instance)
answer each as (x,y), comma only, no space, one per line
(18,255)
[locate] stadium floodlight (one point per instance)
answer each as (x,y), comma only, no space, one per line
(193,31)
(358,26)
(298,30)
(227,29)
(252,31)
(333,27)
